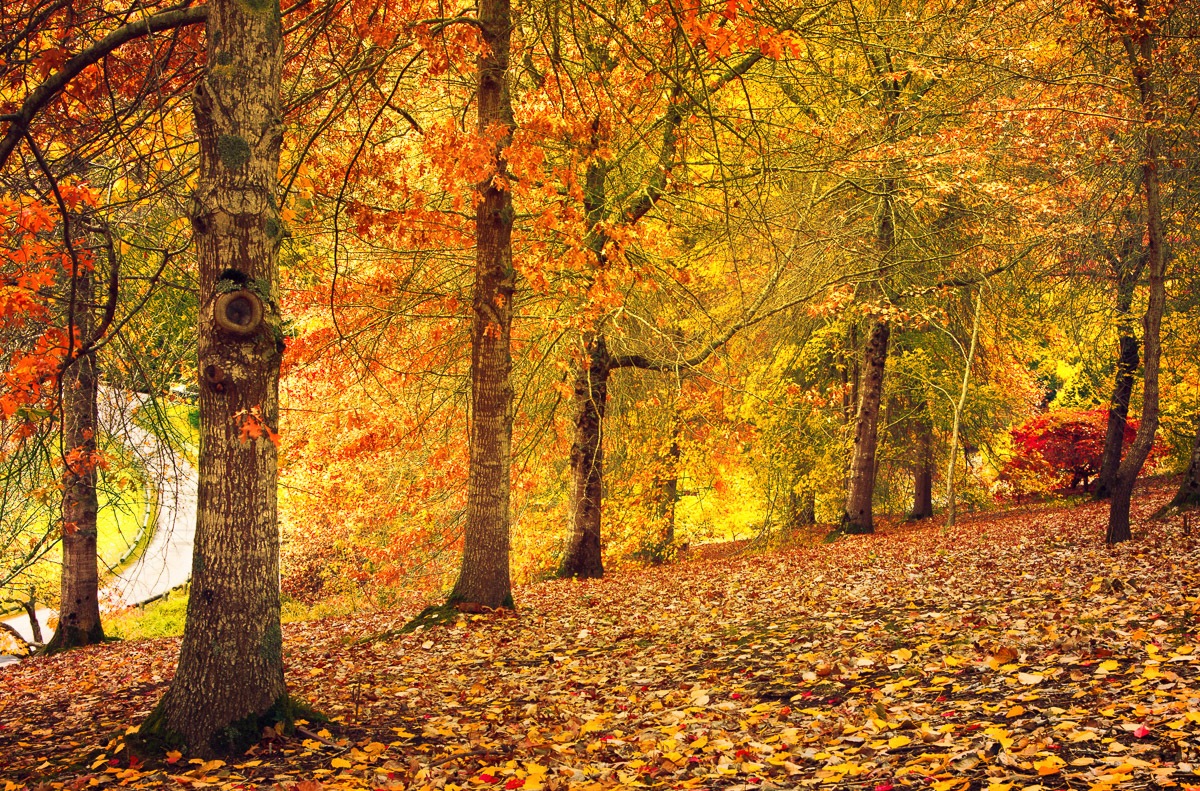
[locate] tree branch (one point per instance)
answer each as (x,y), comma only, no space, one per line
(43,94)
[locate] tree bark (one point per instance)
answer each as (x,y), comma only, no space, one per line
(79,605)
(584,552)
(923,477)
(1141,56)
(858,516)
(230,669)
(483,579)
(1118,413)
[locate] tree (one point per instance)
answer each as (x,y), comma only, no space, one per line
(483,580)
(79,600)
(230,671)
(1127,265)
(1138,27)
(1188,495)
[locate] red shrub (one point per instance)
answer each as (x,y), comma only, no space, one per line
(1063,447)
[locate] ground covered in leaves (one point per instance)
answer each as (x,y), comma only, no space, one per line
(1011,652)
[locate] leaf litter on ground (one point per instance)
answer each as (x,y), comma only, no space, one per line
(1013,652)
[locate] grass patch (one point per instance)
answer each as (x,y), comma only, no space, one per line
(177,423)
(162,618)
(166,616)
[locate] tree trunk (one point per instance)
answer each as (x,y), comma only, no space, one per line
(483,579)
(669,491)
(1118,413)
(803,508)
(79,606)
(230,670)
(951,504)
(923,477)
(858,516)
(1142,58)
(1189,491)
(584,553)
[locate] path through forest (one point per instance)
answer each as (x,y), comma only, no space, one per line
(166,561)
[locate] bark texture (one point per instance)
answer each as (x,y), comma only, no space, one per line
(483,579)
(231,664)
(858,517)
(79,607)
(923,473)
(1118,413)
(583,558)
(1141,55)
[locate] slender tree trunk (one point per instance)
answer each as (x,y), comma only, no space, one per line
(669,496)
(1118,413)
(35,626)
(230,673)
(484,576)
(858,517)
(584,553)
(923,477)
(802,508)
(951,505)
(79,607)
(1189,491)
(1141,51)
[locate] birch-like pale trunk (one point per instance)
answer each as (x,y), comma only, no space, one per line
(951,509)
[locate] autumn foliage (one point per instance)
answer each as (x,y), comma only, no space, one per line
(1062,448)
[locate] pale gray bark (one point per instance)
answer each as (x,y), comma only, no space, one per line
(231,661)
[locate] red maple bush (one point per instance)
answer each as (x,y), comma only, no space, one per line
(1063,448)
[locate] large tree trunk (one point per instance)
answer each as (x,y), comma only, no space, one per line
(484,576)
(1118,413)
(79,607)
(923,475)
(230,670)
(1142,58)
(1189,491)
(858,517)
(584,552)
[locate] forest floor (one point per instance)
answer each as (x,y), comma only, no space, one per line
(1010,652)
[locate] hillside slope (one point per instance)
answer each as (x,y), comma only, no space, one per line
(1011,652)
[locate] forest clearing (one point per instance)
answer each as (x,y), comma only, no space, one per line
(573,394)
(1014,651)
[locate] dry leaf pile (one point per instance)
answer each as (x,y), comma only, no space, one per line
(1009,653)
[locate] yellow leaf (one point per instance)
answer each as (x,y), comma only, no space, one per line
(1109,665)
(1000,786)
(1015,711)
(902,654)
(953,782)
(1049,766)
(898,741)
(1029,679)
(340,763)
